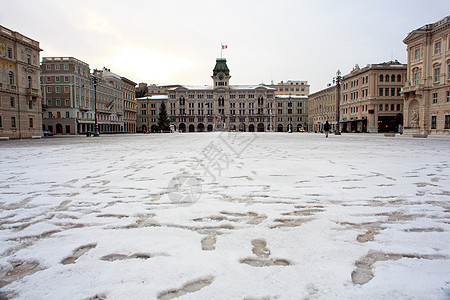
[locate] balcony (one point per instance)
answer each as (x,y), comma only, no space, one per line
(32,92)
(8,87)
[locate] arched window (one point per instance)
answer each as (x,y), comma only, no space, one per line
(393,78)
(29,82)
(380,107)
(11,77)
(387,78)
(381,78)
(399,78)
(386,107)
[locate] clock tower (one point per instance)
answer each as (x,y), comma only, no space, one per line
(221,74)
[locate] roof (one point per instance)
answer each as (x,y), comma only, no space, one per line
(154,97)
(419,32)
(211,88)
(290,97)
(221,66)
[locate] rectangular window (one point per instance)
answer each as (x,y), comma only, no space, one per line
(437,72)
(386,91)
(399,91)
(417,54)
(448,96)
(435,97)
(58,102)
(66,67)
(48,79)
(446,126)
(66,78)
(57,67)
(49,89)
(66,89)
(30,104)
(9,52)
(48,67)
(11,101)
(67,114)
(416,78)
(67,102)
(437,48)
(58,114)
(57,89)
(30,122)
(433,122)
(1,124)
(398,107)
(392,91)
(56,78)
(381,92)
(13,122)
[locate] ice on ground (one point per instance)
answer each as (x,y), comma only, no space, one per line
(225,216)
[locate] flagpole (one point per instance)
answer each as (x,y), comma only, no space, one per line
(221,49)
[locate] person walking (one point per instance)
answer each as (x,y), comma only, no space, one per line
(326,128)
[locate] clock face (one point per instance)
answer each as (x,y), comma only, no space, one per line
(220,77)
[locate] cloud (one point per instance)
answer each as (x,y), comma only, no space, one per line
(146,64)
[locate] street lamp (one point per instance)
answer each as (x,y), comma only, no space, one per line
(95,80)
(338,79)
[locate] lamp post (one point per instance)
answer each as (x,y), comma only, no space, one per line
(338,79)
(95,80)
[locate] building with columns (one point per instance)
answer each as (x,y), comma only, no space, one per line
(20,91)
(427,91)
(225,107)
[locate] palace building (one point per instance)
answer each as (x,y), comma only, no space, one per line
(20,92)
(427,91)
(225,107)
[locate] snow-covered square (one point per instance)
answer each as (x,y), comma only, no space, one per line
(225,216)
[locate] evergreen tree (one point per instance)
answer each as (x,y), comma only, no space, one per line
(163,118)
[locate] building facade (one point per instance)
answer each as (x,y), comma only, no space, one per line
(68,106)
(322,107)
(225,107)
(20,92)
(427,92)
(129,106)
(291,87)
(371,99)
(148,111)
(70,93)
(110,102)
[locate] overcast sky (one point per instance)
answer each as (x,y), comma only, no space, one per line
(177,41)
